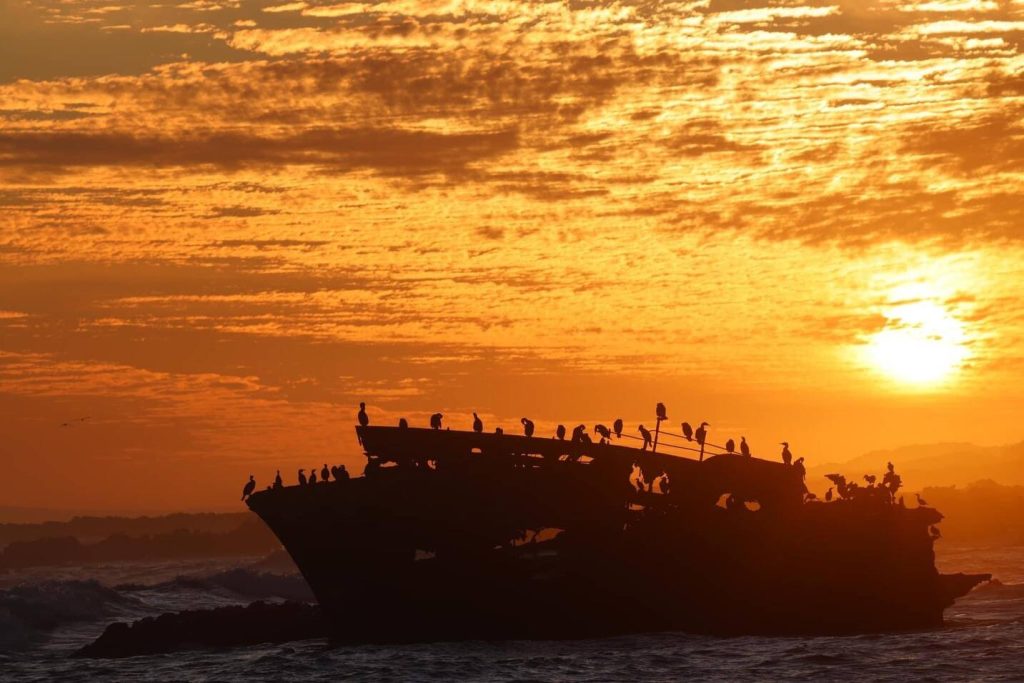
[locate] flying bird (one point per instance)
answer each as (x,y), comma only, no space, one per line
(364,419)
(687,431)
(787,457)
(730,446)
(617,428)
(478,424)
(250,486)
(527,426)
(744,448)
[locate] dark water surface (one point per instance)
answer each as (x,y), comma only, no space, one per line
(46,615)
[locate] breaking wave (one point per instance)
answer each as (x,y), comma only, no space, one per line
(28,611)
(242,582)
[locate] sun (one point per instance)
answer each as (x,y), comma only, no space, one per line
(922,344)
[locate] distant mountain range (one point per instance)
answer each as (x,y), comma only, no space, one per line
(943,464)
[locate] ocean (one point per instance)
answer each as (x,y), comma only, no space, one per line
(45,615)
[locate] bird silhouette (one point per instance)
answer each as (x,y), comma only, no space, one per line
(687,431)
(478,424)
(701,434)
(560,432)
(527,426)
(250,486)
(744,448)
(403,423)
(921,501)
(364,419)
(828,495)
(325,474)
(302,477)
(578,432)
(660,410)
(787,457)
(312,476)
(617,428)
(603,431)
(730,446)
(277,480)
(499,430)
(646,433)
(435,420)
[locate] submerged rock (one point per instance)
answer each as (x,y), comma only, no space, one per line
(222,627)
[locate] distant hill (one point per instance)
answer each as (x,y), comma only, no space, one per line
(88,528)
(943,464)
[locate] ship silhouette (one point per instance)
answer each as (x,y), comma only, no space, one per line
(454,535)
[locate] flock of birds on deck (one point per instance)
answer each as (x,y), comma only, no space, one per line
(581,435)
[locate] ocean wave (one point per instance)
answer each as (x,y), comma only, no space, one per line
(29,610)
(243,582)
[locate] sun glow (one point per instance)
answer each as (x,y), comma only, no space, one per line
(922,344)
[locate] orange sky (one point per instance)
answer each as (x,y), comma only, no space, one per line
(225,223)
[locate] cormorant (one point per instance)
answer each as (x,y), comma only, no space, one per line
(921,502)
(527,426)
(730,446)
(585,438)
(787,457)
(302,477)
(560,432)
(499,430)
(364,419)
(617,428)
(250,486)
(478,424)
(701,434)
(646,433)
(342,474)
(687,431)
(744,448)
(325,474)
(603,431)
(828,495)
(435,420)
(277,480)
(578,432)
(660,410)
(403,423)
(799,466)
(312,476)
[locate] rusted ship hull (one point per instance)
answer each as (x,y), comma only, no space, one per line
(446,551)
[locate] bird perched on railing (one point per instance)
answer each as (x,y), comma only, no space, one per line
(617,428)
(701,434)
(687,431)
(744,448)
(603,431)
(730,446)
(578,432)
(250,486)
(478,424)
(660,411)
(560,432)
(787,457)
(646,433)
(527,426)
(435,420)
(364,419)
